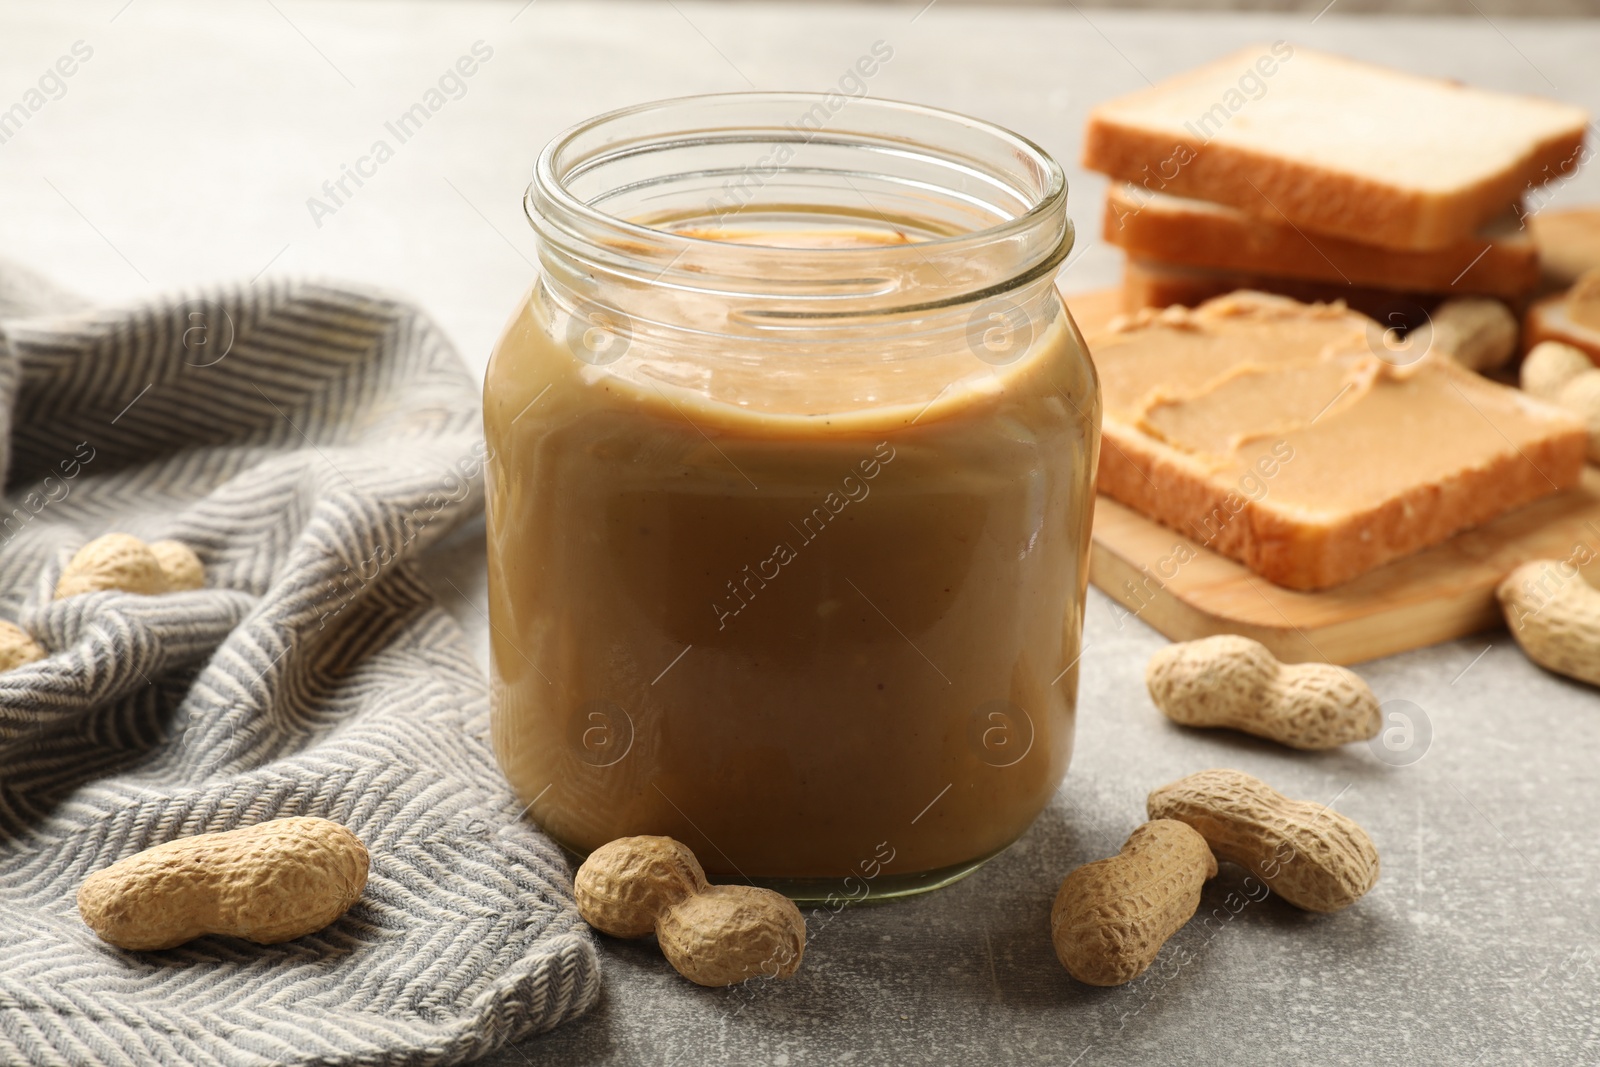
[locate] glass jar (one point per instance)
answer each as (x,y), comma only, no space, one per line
(789,492)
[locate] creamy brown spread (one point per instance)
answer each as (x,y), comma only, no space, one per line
(813,613)
(1362,417)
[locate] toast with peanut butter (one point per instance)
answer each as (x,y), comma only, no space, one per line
(1301,441)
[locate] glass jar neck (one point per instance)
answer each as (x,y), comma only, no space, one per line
(764,215)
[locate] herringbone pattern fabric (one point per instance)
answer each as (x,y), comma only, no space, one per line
(310,442)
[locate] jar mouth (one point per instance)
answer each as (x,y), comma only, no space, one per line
(962,209)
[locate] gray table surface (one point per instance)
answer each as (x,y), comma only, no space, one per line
(185,150)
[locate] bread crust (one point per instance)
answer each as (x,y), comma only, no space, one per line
(1161,229)
(1159,285)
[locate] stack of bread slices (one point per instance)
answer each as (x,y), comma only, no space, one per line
(1282,169)
(1282,426)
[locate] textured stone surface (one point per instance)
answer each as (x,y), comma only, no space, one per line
(186,149)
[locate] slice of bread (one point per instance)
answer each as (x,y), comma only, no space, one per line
(1336,146)
(1571,317)
(1500,260)
(1568,242)
(1158,285)
(1268,431)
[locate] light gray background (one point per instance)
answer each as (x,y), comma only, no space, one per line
(185,150)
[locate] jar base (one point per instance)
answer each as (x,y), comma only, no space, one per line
(850,889)
(831,892)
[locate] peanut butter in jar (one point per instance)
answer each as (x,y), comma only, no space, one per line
(790,493)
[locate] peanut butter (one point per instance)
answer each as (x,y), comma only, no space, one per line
(812,616)
(1335,445)
(1248,373)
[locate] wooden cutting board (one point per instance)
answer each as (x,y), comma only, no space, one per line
(1442,593)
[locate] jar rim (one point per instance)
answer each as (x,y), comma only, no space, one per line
(553,188)
(995,159)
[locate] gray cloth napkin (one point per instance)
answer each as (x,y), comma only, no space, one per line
(310,442)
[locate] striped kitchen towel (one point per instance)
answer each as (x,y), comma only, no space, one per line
(310,442)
